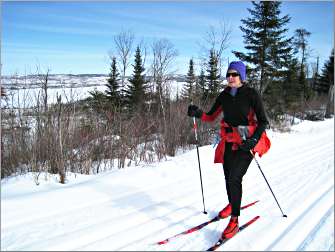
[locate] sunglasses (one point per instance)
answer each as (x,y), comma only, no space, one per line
(232,74)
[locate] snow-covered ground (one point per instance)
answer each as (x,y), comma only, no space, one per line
(133,208)
(24,93)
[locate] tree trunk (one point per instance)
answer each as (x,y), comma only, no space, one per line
(330,103)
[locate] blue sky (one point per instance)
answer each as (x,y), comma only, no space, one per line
(76,37)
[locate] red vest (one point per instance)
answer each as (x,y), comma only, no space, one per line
(234,137)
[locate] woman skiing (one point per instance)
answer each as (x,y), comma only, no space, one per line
(242,131)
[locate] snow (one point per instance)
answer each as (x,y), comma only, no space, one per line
(23,92)
(132,208)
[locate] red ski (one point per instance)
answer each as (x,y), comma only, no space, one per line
(198,227)
(222,241)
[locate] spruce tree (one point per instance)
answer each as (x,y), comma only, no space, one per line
(292,91)
(213,77)
(301,44)
(136,91)
(113,87)
(326,79)
(264,38)
(201,90)
(189,88)
(98,101)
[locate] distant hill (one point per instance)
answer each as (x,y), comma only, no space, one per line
(64,80)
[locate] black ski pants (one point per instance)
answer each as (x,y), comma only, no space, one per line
(236,163)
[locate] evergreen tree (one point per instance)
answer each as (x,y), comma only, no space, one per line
(201,90)
(189,88)
(292,90)
(137,85)
(98,101)
(264,35)
(113,87)
(213,77)
(300,41)
(326,79)
(316,75)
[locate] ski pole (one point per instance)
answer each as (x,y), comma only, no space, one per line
(284,215)
(196,139)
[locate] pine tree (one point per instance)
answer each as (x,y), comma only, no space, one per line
(98,101)
(316,75)
(213,77)
(113,92)
(326,79)
(188,91)
(300,41)
(137,85)
(201,90)
(292,90)
(325,84)
(264,35)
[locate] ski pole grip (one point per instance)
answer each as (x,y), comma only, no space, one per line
(195,129)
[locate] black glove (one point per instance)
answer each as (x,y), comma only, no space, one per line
(248,144)
(194,111)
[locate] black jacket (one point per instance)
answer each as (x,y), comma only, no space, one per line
(237,108)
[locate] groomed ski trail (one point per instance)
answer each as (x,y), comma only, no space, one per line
(123,211)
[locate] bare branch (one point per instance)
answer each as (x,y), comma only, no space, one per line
(124,45)
(216,40)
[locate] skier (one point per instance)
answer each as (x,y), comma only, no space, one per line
(240,105)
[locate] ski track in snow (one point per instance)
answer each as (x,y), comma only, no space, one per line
(132,209)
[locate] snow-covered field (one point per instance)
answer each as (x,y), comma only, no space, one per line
(24,93)
(130,209)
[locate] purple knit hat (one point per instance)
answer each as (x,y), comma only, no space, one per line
(239,67)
